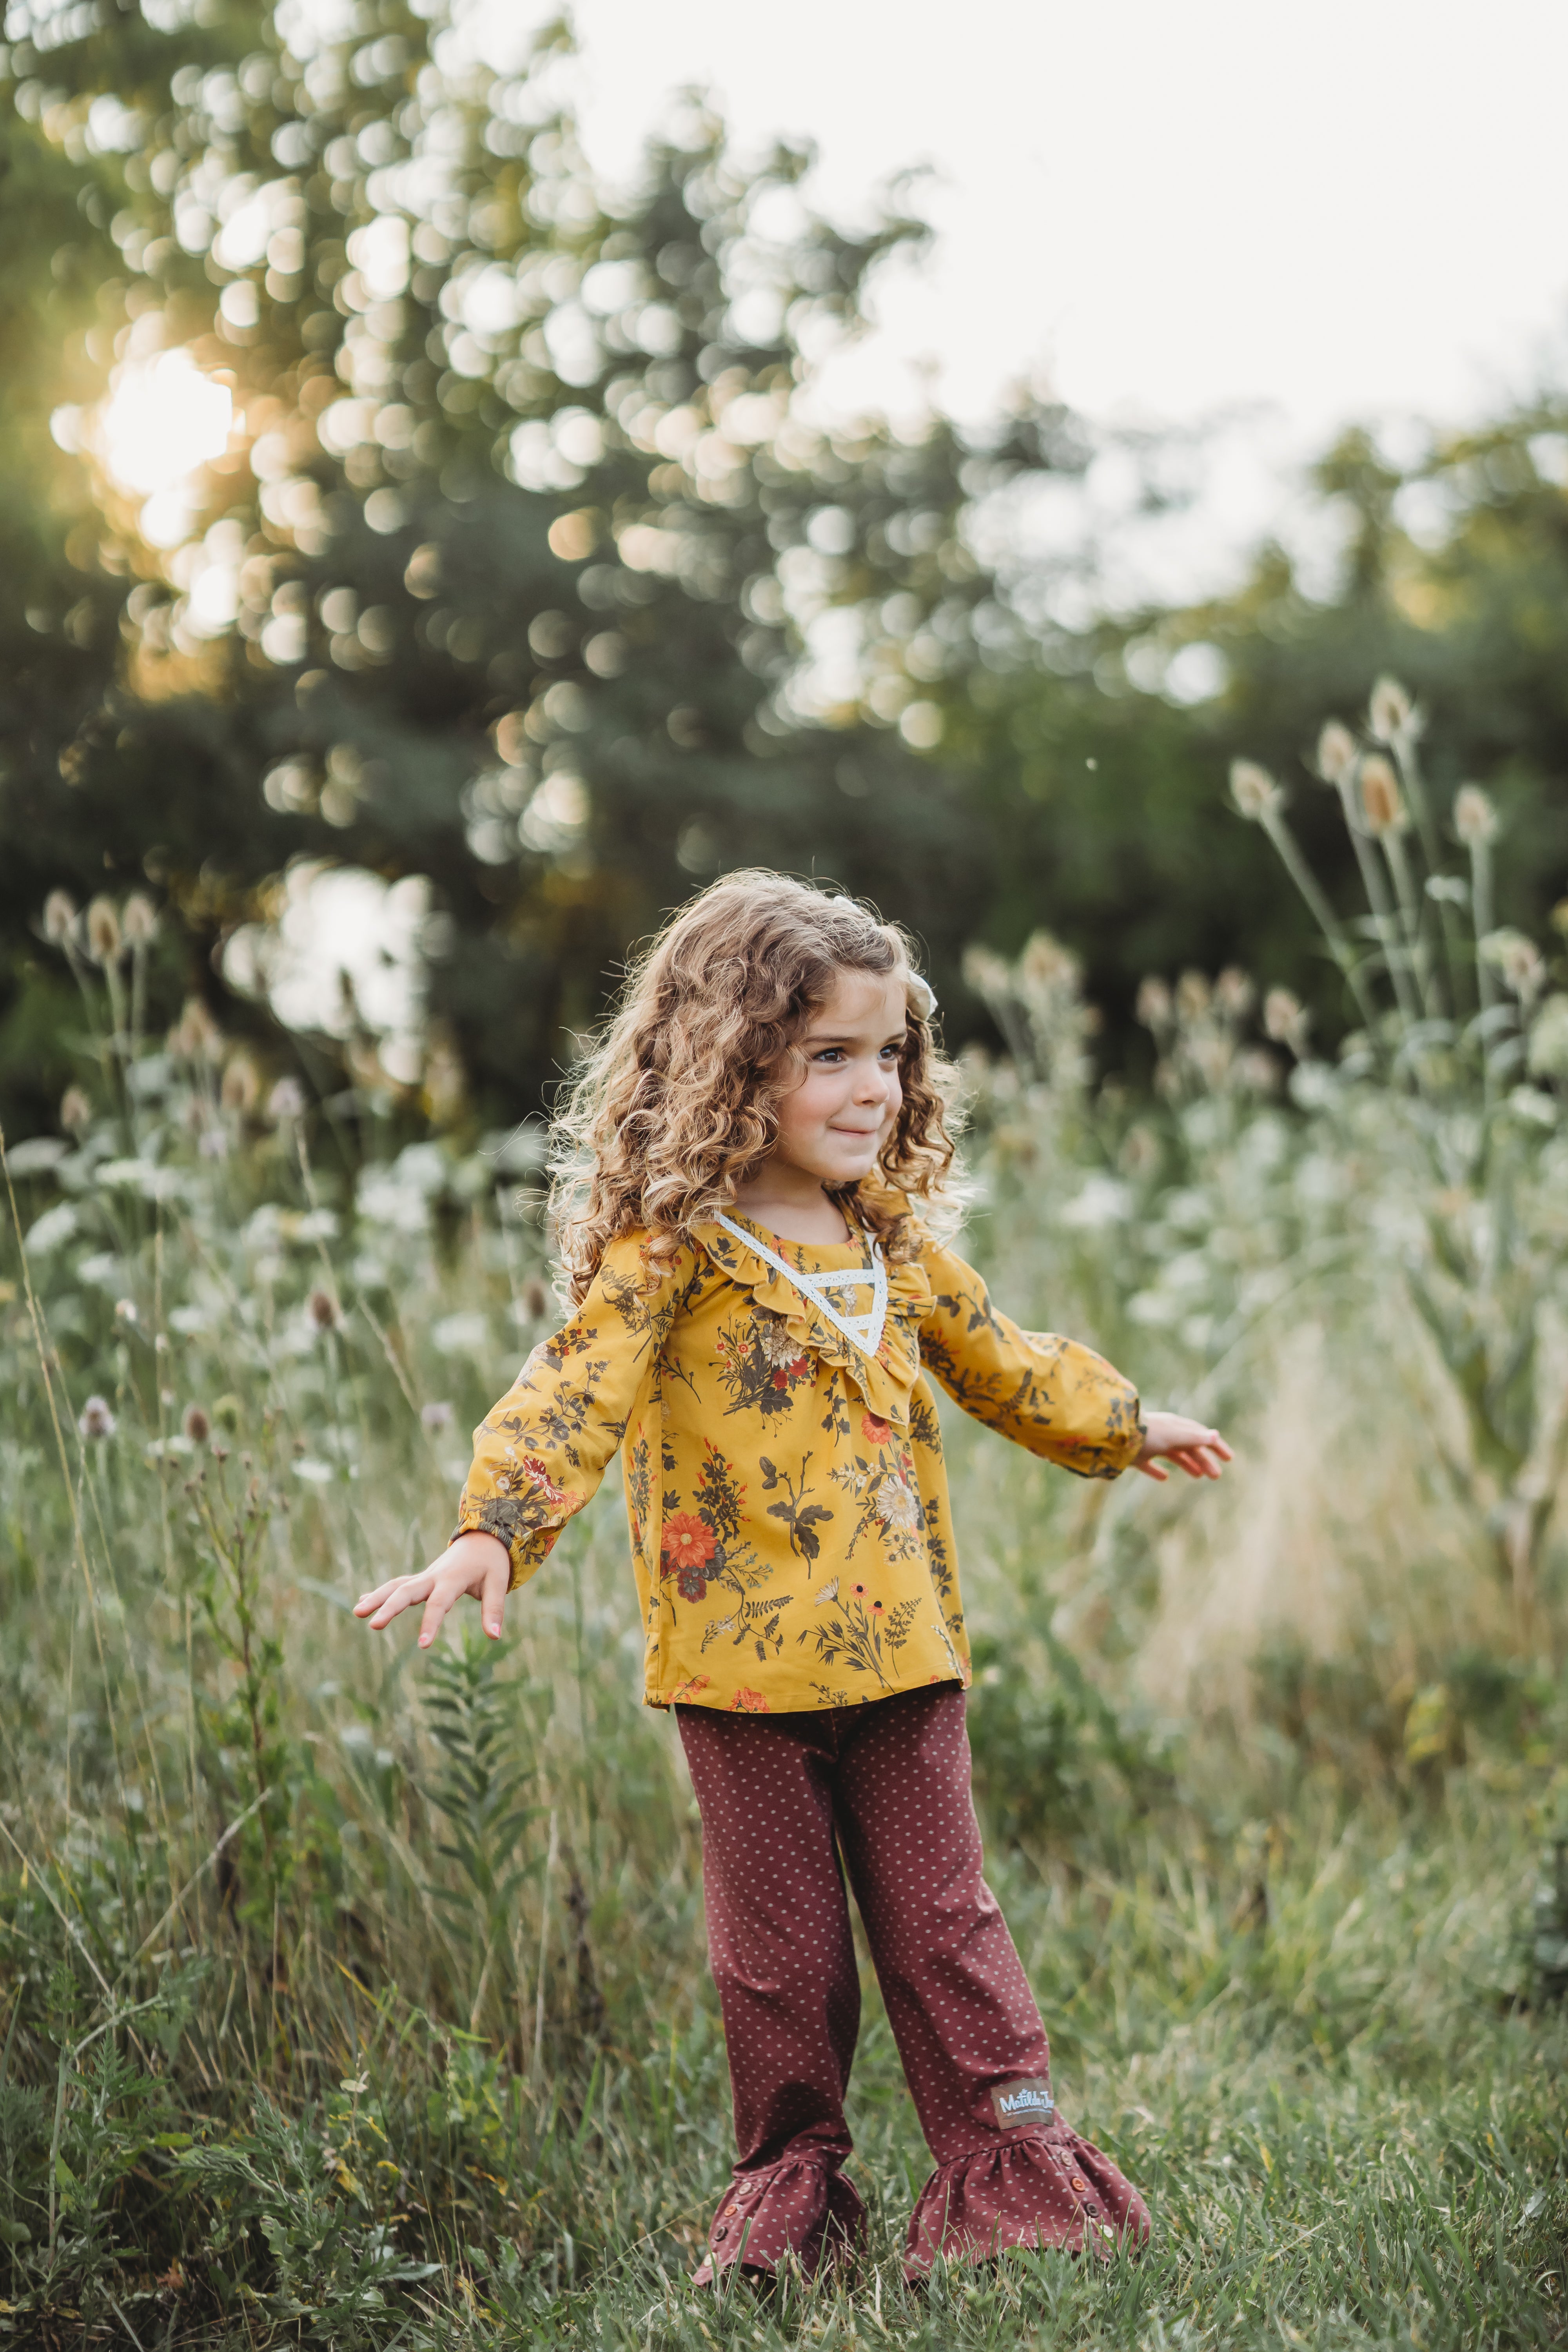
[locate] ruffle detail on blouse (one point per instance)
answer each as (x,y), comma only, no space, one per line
(1043,2189)
(883,1383)
(802,2206)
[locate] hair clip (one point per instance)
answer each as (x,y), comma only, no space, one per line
(923,996)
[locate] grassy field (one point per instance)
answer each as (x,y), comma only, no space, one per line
(359,1999)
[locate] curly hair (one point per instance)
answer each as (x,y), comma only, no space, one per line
(678,1103)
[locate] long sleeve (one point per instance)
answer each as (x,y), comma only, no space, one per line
(541,1453)
(1054,1396)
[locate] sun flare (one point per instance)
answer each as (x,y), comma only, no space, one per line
(163,420)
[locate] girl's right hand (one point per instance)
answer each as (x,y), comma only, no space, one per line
(474,1563)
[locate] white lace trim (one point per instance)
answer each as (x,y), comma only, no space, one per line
(863,1330)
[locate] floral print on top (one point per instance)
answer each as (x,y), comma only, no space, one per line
(791,1536)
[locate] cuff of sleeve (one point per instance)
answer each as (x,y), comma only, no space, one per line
(1116,1451)
(527,1548)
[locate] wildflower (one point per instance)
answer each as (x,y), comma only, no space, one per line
(1548,1052)
(859,1591)
(324,1311)
(1518,960)
(1191,996)
(1380,802)
(1253,789)
(749,1702)
(1233,992)
(828,1592)
(437,1414)
(1475,816)
(59,917)
(96,1421)
(139,919)
(691,1584)
(1285,1019)
(241,1086)
(534,1299)
(1391,713)
(103,938)
(76,1111)
(1153,1006)
(125,1310)
(874,1429)
(1256,1071)
(196,1036)
(1336,753)
(285,1101)
(986,973)
(1049,964)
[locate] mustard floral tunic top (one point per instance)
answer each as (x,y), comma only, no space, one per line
(791,1537)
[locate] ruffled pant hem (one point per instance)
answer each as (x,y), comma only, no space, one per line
(802,2206)
(1038,2188)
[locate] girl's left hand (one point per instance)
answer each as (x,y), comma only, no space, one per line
(1199,1451)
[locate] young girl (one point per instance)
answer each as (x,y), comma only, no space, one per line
(751,1237)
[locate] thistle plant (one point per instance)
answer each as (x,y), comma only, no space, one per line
(1462,1058)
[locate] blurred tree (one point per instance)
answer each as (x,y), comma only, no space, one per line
(1090,754)
(529,567)
(505,575)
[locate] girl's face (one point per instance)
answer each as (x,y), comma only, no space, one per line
(836,1120)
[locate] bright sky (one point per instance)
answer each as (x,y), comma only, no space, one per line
(1351,208)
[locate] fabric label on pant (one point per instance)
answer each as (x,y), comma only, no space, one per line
(1023,2103)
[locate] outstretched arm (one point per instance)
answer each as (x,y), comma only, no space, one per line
(541,1453)
(1053,1395)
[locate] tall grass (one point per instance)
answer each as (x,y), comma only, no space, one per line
(358,1998)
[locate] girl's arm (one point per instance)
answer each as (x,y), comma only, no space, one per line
(541,1453)
(1054,1396)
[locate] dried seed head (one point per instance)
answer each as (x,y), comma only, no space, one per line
(1391,713)
(1233,992)
(1548,1054)
(76,1111)
(196,1425)
(534,1299)
(196,1036)
(1253,789)
(324,1311)
(285,1101)
(1336,753)
(1380,804)
(139,919)
(241,1086)
(1518,960)
(436,1415)
(985,972)
(103,939)
(1153,1007)
(1256,1071)
(59,917)
(96,1420)
(1475,816)
(1047,963)
(1285,1019)
(1191,996)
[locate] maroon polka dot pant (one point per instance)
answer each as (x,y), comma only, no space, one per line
(886,1786)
